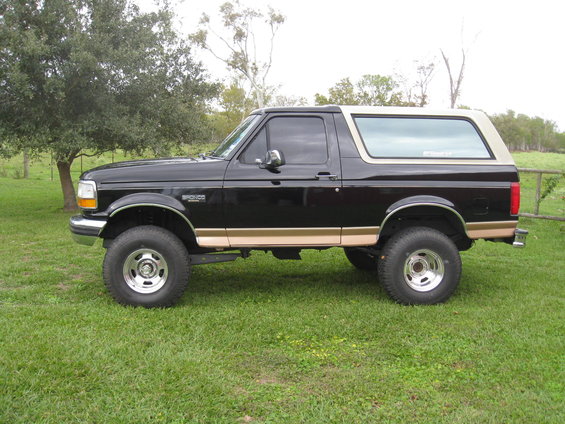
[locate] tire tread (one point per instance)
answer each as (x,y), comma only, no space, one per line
(393,252)
(153,233)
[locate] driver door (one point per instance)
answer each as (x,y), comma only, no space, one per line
(295,204)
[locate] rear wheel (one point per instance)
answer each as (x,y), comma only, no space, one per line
(146,266)
(420,265)
(361,259)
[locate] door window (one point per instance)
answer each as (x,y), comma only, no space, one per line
(302,140)
(257,149)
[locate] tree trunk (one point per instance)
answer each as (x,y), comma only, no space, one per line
(260,97)
(26,164)
(69,196)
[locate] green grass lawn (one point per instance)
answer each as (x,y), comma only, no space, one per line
(269,341)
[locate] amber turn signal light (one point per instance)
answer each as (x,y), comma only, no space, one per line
(87,203)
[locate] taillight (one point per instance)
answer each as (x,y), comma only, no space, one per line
(514,198)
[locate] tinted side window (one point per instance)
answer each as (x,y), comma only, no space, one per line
(301,139)
(387,137)
(257,149)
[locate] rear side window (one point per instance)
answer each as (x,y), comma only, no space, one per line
(407,137)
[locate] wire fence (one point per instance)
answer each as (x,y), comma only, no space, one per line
(539,191)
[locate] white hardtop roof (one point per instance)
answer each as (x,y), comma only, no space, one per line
(419,111)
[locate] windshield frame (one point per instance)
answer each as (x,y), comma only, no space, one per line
(234,139)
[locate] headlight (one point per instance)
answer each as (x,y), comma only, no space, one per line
(86,195)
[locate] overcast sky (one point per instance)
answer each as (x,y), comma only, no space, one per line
(515,60)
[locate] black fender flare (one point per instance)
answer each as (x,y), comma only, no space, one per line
(156,200)
(423,200)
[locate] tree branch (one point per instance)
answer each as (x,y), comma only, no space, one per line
(451,88)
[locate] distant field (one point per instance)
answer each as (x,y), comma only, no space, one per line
(553,204)
(40,167)
(267,341)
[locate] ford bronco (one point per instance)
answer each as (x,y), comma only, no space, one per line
(401,190)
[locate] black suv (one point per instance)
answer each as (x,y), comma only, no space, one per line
(402,190)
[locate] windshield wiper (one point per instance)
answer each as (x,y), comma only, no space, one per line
(208,156)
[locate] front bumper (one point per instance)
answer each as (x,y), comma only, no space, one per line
(85,230)
(520,237)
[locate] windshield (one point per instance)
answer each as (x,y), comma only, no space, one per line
(232,140)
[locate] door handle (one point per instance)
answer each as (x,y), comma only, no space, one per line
(324,175)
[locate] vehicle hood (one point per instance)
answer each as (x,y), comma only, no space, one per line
(158,170)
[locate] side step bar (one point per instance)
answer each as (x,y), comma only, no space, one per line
(213,258)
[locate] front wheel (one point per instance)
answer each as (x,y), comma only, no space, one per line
(420,265)
(146,266)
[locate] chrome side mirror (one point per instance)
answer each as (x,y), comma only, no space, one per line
(273,159)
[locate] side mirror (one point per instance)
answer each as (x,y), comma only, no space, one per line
(273,159)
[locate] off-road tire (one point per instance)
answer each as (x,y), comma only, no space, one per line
(419,266)
(146,266)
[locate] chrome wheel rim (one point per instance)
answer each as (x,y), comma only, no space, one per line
(423,270)
(145,271)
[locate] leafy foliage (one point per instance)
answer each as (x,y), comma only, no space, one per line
(370,90)
(524,133)
(416,88)
(236,105)
(96,75)
(549,185)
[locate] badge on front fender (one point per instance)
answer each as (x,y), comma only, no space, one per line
(194,198)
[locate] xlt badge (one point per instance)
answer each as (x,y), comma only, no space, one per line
(194,198)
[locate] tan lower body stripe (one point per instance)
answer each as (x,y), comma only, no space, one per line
(277,237)
(241,237)
(493,229)
(359,236)
(330,236)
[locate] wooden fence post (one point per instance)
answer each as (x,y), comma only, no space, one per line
(538,193)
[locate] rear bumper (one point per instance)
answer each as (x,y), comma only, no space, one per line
(520,237)
(84,230)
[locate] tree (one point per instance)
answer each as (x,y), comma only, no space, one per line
(521,132)
(370,90)
(455,78)
(26,164)
(7,144)
(235,102)
(241,50)
(425,74)
(95,75)
(342,93)
(416,82)
(378,90)
(561,142)
(281,100)
(236,105)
